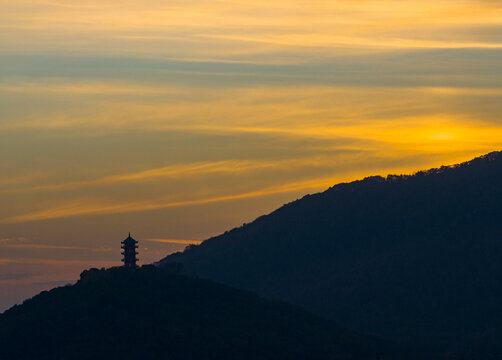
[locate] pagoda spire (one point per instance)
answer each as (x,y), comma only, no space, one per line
(129,246)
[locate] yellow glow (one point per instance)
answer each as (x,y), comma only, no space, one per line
(386,122)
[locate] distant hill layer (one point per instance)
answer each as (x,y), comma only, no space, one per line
(416,258)
(154,314)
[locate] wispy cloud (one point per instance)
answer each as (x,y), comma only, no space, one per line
(199,29)
(19,240)
(197,169)
(42,246)
(297,110)
(89,87)
(55,262)
(23,243)
(54,247)
(82,208)
(175,241)
(14,276)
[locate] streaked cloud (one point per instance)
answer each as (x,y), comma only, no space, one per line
(198,169)
(19,240)
(80,208)
(175,241)
(53,262)
(197,29)
(32,246)
(311,133)
(53,86)
(14,276)
(272,109)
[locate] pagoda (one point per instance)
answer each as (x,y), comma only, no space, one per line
(129,247)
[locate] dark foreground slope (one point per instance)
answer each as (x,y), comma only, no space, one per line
(414,258)
(154,314)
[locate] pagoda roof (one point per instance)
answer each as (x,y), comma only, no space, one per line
(129,240)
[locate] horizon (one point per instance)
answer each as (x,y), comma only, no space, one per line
(179,121)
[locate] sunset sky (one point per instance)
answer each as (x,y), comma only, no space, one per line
(177,120)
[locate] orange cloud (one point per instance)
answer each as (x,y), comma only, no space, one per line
(175,241)
(82,208)
(197,169)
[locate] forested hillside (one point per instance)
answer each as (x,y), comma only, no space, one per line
(416,258)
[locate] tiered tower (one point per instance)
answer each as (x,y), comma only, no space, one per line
(129,247)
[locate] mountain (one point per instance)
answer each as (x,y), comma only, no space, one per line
(150,313)
(413,258)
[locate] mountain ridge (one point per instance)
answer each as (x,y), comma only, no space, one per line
(401,241)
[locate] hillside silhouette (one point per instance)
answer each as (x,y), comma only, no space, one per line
(150,313)
(413,258)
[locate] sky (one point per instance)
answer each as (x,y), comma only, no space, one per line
(177,120)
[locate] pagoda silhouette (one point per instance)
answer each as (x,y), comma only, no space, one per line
(129,246)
